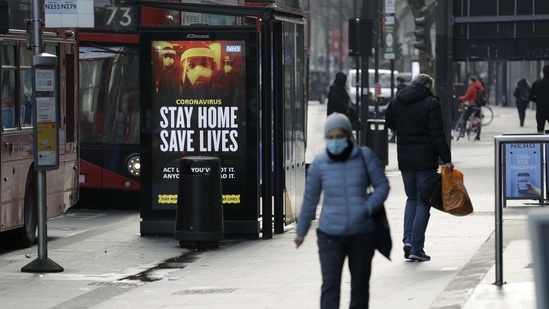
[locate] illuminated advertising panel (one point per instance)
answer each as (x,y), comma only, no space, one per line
(523,171)
(200,99)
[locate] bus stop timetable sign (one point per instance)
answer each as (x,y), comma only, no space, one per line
(46,135)
(69,13)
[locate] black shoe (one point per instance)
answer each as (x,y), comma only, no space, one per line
(419,256)
(477,138)
(407,248)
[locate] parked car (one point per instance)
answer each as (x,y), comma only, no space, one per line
(384,80)
(319,83)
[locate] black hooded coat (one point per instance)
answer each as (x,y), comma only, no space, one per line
(416,116)
(338,97)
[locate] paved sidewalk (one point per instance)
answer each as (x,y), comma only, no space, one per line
(114,267)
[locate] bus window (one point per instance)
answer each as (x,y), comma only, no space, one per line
(121,123)
(8,99)
(25,104)
(24,108)
(93,78)
(8,56)
(8,86)
(26,57)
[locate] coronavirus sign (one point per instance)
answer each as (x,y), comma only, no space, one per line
(200,98)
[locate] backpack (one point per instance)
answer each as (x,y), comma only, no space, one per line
(482,99)
(525,95)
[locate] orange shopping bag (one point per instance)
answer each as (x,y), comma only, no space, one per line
(455,199)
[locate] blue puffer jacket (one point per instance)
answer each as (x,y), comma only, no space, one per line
(347,209)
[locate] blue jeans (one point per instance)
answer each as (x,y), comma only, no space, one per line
(416,213)
(332,251)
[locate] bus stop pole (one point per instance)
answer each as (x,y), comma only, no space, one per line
(498,212)
(42,263)
(42,214)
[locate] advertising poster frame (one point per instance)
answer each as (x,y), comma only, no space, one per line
(546,156)
(200,97)
(523,171)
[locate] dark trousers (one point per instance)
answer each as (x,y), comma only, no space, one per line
(332,251)
(470,110)
(521,108)
(542,115)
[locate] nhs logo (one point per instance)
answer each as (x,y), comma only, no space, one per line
(233,48)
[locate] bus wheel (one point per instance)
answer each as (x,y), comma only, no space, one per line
(26,235)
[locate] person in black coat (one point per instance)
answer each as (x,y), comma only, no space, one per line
(415,114)
(540,94)
(339,100)
(401,85)
(521,94)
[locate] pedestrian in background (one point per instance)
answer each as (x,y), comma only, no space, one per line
(521,94)
(416,116)
(401,85)
(539,93)
(346,226)
(339,100)
(470,98)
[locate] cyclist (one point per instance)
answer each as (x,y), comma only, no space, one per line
(470,98)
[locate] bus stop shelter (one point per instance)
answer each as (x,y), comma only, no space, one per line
(253,121)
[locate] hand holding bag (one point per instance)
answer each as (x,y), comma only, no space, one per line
(455,199)
(432,195)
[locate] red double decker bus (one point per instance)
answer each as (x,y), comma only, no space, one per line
(109,98)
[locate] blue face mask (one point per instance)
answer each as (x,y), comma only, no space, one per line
(336,146)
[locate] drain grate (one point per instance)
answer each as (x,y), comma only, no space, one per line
(120,284)
(206,291)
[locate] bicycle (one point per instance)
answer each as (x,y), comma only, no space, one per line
(486,115)
(472,125)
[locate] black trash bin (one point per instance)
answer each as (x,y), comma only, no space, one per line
(377,139)
(199,214)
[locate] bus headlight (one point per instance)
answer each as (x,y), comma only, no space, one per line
(134,165)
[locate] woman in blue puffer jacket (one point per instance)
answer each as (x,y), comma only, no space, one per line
(346,228)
